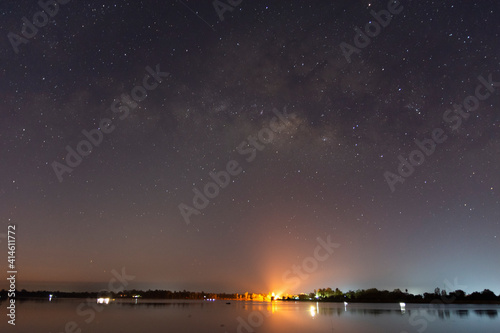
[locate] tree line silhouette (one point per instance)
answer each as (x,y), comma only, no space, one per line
(149,294)
(371,295)
(374,295)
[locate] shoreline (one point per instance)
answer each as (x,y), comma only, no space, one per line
(170,300)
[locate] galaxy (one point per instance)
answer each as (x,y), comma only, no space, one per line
(251,146)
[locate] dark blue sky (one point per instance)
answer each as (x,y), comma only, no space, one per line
(390,148)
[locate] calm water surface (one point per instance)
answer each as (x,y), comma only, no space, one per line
(243,317)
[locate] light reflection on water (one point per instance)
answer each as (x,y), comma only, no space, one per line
(244,317)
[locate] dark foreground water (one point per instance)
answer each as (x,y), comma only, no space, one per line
(204,316)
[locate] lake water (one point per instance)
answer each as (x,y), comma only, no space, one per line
(240,316)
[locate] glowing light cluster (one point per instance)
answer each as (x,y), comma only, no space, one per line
(102,300)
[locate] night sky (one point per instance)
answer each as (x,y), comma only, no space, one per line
(214,88)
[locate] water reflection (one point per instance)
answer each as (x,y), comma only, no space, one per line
(156,304)
(277,317)
(430,310)
(489,313)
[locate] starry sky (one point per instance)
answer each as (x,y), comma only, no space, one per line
(216,84)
